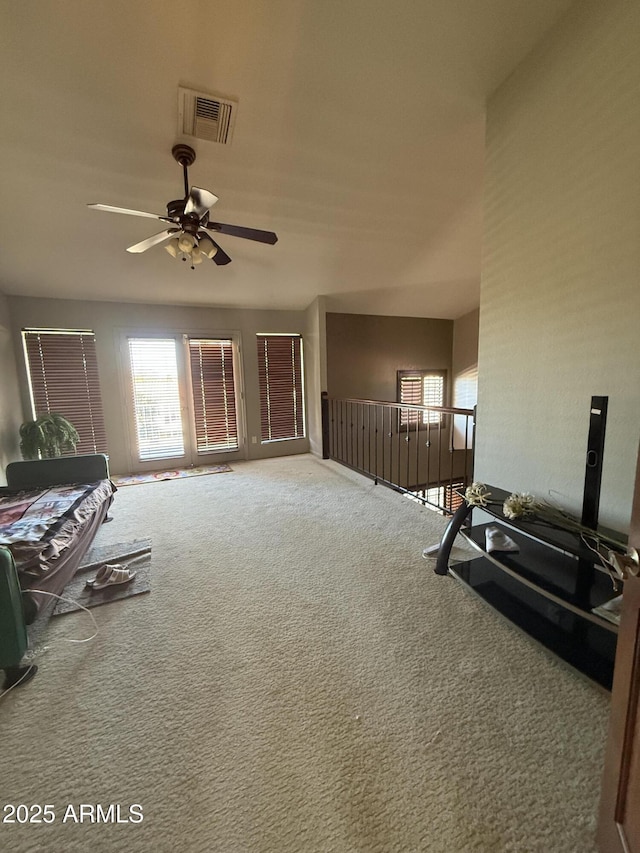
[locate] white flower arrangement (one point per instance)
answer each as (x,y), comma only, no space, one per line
(523,506)
(477,494)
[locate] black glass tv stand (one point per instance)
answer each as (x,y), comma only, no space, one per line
(548,589)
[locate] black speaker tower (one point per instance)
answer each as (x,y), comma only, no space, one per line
(591,494)
(593,469)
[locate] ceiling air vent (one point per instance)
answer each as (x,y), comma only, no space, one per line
(206,116)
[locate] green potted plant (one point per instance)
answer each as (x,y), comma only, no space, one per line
(47,436)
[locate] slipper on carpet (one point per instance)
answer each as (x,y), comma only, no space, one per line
(102,574)
(111,574)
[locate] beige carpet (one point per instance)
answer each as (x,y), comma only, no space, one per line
(299,680)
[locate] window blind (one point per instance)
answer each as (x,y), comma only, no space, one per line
(156,398)
(214,400)
(465,396)
(63,376)
(281,391)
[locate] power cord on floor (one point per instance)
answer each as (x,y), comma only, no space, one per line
(27,671)
(77,604)
(24,675)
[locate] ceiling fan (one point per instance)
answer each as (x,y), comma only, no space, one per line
(189,229)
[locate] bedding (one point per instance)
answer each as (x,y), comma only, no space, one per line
(39,524)
(50,512)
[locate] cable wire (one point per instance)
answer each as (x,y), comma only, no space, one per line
(63,639)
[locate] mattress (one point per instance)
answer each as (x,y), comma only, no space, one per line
(40,526)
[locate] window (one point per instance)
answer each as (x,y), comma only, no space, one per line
(63,379)
(214,399)
(156,398)
(183,402)
(281,392)
(465,396)
(421,388)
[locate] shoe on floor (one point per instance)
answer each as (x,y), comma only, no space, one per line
(113,574)
(102,575)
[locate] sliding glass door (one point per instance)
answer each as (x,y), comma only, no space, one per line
(213,393)
(157,407)
(184,400)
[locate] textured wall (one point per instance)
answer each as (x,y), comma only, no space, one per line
(10,403)
(364,352)
(464,360)
(315,371)
(465,342)
(560,296)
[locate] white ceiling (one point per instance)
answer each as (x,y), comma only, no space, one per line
(359,140)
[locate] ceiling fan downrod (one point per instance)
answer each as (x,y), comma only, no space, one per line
(186,156)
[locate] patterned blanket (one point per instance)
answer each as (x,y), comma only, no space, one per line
(37,525)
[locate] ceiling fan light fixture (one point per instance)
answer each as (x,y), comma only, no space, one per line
(186,242)
(207,247)
(172,247)
(196,256)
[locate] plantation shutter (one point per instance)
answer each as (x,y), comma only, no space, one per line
(63,376)
(411,395)
(214,399)
(420,388)
(281,392)
(156,398)
(432,395)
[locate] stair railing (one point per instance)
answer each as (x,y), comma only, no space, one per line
(425,452)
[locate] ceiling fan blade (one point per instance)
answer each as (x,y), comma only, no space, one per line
(239,231)
(152,241)
(110,209)
(200,201)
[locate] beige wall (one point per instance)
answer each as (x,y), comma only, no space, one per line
(315,363)
(110,320)
(364,352)
(10,402)
(560,295)
(464,360)
(465,343)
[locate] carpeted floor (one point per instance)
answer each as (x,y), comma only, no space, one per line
(299,681)
(135,555)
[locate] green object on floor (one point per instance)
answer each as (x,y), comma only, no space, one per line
(13,631)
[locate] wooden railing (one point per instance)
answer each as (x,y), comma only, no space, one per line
(423,451)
